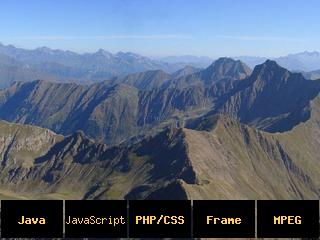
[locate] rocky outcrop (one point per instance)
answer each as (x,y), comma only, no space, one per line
(221,70)
(234,161)
(272,98)
(36,163)
(220,158)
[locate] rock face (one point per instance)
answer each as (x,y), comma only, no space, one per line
(201,136)
(19,144)
(221,70)
(114,110)
(272,98)
(37,162)
(219,158)
(225,69)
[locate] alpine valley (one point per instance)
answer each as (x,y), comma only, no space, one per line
(221,132)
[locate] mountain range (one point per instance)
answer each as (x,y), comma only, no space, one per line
(17,64)
(313,75)
(302,62)
(219,159)
(113,111)
(223,132)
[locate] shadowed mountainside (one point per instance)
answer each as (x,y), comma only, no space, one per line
(37,162)
(271,98)
(208,140)
(223,69)
(219,159)
(106,111)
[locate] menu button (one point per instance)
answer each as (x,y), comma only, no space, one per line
(287,220)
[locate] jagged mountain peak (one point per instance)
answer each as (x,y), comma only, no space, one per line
(271,63)
(274,94)
(225,69)
(222,70)
(269,70)
(225,60)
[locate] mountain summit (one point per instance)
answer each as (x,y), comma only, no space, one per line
(221,70)
(272,98)
(270,70)
(225,69)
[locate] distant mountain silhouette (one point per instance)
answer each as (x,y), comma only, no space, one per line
(66,66)
(303,61)
(313,75)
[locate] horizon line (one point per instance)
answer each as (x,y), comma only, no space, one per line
(152,55)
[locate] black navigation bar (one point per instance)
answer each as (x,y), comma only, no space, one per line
(159,219)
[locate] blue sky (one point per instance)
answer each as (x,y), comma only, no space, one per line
(164,27)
